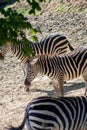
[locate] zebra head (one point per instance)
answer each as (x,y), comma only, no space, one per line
(30,71)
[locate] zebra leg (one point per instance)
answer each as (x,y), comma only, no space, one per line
(55,85)
(60,84)
(58,87)
(85,79)
(85,90)
(51,82)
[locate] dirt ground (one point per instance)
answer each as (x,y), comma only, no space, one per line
(13,97)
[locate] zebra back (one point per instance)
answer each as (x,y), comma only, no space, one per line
(64,113)
(51,44)
(71,65)
(55,44)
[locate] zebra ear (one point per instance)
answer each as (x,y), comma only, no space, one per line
(34,61)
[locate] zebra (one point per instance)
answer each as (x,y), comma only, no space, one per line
(58,68)
(51,44)
(48,113)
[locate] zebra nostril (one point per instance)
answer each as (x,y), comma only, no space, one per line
(27,83)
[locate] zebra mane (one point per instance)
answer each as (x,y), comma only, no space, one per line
(46,55)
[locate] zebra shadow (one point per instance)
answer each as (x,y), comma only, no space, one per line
(68,87)
(72,86)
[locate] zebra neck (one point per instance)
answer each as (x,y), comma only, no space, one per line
(36,48)
(46,66)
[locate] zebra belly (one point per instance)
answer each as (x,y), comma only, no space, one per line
(54,123)
(64,113)
(38,125)
(72,76)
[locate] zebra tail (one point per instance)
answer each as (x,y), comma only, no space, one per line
(19,127)
(70,47)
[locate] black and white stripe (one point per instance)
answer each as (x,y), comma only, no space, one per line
(51,44)
(54,44)
(59,68)
(47,113)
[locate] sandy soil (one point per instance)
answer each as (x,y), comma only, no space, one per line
(13,98)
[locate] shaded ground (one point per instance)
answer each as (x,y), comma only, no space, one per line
(13,98)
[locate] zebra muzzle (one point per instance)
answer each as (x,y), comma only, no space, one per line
(27,83)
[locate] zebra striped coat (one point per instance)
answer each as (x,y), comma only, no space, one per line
(58,68)
(47,113)
(51,44)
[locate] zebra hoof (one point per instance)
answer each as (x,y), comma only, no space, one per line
(27,89)
(65,82)
(51,83)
